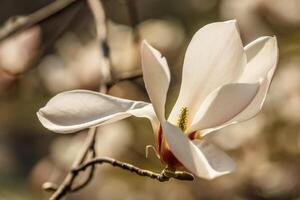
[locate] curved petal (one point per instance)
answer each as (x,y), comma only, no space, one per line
(217,158)
(191,156)
(80,109)
(214,57)
(262,56)
(224,104)
(156,76)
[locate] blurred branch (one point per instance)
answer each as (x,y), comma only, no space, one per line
(92,170)
(133,18)
(165,175)
(20,23)
(126,76)
(66,185)
(101,28)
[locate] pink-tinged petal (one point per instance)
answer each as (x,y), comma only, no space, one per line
(80,109)
(224,104)
(214,57)
(201,163)
(156,76)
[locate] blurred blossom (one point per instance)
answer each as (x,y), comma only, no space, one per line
(233,137)
(114,189)
(18,51)
(56,76)
(174,190)
(121,89)
(289,74)
(112,140)
(166,35)
(6,80)
(287,140)
(282,12)
(291,110)
(273,179)
(64,150)
(285,92)
(247,15)
(123,49)
(75,65)
(7,159)
(202,5)
(44,171)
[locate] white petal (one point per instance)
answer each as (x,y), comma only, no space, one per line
(214,57)
(224,104)
(156,76)
(80,109)
(217,158)
(262,56)
(191,156)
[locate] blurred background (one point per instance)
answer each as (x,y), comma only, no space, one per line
(62,54)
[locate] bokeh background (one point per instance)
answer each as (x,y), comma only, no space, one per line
(62,54)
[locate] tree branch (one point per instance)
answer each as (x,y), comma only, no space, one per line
(66,185)
(165,175)
(100,23)
(101,28)
(92,170)
(133,17)
(17,24)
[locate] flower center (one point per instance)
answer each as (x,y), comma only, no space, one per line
(163,148)
(182,119)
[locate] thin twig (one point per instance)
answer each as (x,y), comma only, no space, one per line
(126,76)
(126,166)
(17,24)
(133,18)
(165,175)
(100,22)
(91,172)
(65,186)
(101,28)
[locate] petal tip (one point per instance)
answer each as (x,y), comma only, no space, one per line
(231,21)
(144,42)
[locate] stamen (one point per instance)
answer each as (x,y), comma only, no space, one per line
(148,147)
(182,119)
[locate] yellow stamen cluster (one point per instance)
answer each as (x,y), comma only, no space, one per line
(182,119)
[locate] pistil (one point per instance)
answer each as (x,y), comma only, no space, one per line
(182,119)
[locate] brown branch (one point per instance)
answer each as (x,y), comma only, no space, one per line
(17,24)
(66,185)
(133,18)
(92,170)
(100,23)
(165,175)
(132,75)
(101,28)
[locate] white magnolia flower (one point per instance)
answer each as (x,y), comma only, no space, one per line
(222,84)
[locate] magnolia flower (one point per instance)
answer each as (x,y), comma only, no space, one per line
(222,84)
